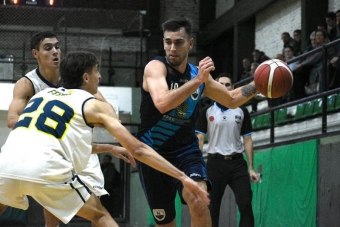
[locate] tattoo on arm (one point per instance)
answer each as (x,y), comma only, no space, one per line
(248,90)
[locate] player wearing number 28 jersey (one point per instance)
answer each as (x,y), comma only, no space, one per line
(92,176)
(48,119)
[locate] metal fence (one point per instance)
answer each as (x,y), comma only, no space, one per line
(104,32)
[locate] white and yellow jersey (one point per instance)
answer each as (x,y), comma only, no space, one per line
(51,140)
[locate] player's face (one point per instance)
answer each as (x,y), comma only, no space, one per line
(225,81)
(49,53)
(177,46)
(94,79)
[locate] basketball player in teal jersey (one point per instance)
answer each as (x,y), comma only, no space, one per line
(45,48)
(56,130)
(171,91)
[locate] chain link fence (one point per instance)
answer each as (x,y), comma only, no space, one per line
(107,33)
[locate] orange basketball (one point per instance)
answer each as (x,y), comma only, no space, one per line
(273,78)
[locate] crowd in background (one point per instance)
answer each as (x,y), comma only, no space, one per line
(307,72)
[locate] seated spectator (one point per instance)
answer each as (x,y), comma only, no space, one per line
(331,25)
(334,64)
(308,72)
(312,42)
(280,57)
(259,56)
(246,69)
(297,38)
(289,55)
(289,41)
(337,14)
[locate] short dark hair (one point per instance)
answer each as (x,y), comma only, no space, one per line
(40,36)
(174,24)
(297,31)
(290,47)
(224,75)
(286,33)
(331,15)
(73,66)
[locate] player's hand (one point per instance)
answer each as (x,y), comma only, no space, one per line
(253,176)
(195,190)
(122,153)
(205,66)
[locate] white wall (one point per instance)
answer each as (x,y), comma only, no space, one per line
(281,16)
(333,5)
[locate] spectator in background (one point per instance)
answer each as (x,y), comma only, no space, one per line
(246,69)
(297,38)
(312,42)
(331,25)
(308,72)
(280,57)
(289,55)
(259,56)
(289,41)
(334,64)
(337,14)
(112,185)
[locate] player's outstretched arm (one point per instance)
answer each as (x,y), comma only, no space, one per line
(231,99)
(117,151)
(97,112)
(22,92)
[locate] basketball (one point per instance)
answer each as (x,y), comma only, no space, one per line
(273,78)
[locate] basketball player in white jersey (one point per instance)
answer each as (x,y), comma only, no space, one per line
(45,48)
(56,130)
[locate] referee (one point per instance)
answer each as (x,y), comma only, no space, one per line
(226,165)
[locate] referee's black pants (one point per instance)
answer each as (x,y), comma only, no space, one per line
(234,173)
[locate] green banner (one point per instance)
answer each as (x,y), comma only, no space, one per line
(287,194)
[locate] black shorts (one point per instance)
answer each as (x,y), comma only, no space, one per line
(160,189)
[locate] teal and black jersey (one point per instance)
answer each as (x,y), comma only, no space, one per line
(171,134)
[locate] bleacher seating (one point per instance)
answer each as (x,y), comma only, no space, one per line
(302,111)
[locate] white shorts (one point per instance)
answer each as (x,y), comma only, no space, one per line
(62,200)
(93,177)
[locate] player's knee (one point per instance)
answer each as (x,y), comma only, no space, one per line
(195,204)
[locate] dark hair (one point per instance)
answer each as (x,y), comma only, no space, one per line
(290,47)
(73,66)
(224,75)
(331,15)
(40,36)
(175,24)
(297,31)
(285,33)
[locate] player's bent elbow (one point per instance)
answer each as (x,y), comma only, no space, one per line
(161,108)
(10,124)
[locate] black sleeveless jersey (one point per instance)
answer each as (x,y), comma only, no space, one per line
(171,134)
